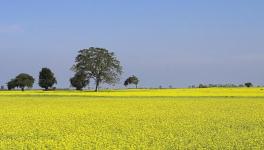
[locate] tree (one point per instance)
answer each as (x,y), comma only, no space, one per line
(248,84)
(134,80)
(126,83)
(12,84)
(131,80)
(24,80)
(240,85)
(203,86)
(98,64)
(46,78)
(79,81)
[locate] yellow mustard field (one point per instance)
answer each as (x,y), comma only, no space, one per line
(133,119)
(188,92)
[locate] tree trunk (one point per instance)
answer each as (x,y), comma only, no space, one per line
(22,89)
(46,88)
(79,89)
(136,86)
(97,86)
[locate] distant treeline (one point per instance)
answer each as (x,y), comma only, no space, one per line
(247,84)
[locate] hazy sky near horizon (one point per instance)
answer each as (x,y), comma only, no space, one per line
(163,42)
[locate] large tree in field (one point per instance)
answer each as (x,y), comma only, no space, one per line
(24,80)
(79,81)
(46,78)
(98,64)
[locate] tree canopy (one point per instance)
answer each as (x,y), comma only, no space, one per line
(79,81)
(131,80)
(24,80)
(12,84)
(248,84)
(46,78)
(98,64)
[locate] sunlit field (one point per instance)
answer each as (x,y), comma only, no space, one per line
(184,92)
(212,118)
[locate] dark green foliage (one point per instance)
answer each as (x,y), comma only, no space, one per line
(241,85)
(202,86)
(227,85)
(248,84)
(46,78)
(12,84)
(24,80)
(98,64)
(131,80)
(126,83)
(79,81)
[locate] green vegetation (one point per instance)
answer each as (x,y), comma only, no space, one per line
(11,84)
(98,64)
(79,81)
(248,84)
(46,78)
(21,81)
(132,80)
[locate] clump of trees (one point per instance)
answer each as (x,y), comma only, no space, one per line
(12,84)
(46,78)
(131,80)
(228,85)
(79,81)
(248,84)
(21,81)
(98,64)
(202,86)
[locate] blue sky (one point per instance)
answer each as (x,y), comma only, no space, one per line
(165,42)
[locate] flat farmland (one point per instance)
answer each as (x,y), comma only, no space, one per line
(133,119)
